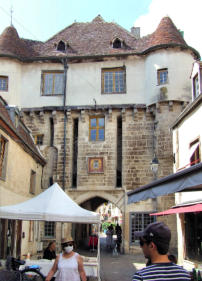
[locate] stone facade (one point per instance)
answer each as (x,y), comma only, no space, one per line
(145,130)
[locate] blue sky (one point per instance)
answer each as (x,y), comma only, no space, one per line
(41,19)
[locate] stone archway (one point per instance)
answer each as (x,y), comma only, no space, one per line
(82,232)
(81,197)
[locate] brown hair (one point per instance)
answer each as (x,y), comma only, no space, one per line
(51,243)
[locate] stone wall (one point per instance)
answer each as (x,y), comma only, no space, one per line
(137,148)
(145,132)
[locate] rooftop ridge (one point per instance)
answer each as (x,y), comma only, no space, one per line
(99,18)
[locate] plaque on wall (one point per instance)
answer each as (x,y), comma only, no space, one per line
(95,165)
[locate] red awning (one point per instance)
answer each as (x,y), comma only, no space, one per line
(183,209)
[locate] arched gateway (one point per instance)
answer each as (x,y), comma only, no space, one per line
(92,202)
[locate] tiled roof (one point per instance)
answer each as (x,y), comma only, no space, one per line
(12,45)
(92,39)
(19,134)
(4,113)
(165,34)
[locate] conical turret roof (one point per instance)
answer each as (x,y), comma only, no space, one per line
(11,44)
(167,33)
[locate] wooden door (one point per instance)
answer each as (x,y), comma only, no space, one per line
(18,238)
(3,243)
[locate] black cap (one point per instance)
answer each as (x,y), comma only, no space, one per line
(157,232)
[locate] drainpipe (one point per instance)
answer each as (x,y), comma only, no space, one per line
(124,225)
(154,161)
(64,61)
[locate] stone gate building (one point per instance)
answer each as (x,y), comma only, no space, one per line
(99,101)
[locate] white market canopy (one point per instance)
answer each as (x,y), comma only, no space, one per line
(51,205)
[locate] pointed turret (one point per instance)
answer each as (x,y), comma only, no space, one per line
(11,44)
(167,33)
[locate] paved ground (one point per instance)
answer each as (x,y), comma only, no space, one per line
(121,267)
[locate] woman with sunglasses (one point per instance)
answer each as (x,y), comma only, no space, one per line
(68,264)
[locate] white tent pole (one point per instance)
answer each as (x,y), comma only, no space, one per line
(98,252)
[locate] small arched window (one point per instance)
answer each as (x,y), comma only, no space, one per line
(117,43)
(61,46)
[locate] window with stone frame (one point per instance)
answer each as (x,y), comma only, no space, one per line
(52,83)
(4,83)
(32,182)
(114,80)
(3,156)
(195,156)
(138,222)
(195,86)
(162,76)
(97,128)
(38,139)
(49,229)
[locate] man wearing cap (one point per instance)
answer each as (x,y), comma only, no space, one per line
(154,241)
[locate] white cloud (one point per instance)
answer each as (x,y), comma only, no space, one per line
(185,14)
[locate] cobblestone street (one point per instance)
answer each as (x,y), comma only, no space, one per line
(121,267)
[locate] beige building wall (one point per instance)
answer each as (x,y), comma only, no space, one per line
(84,80)
(179,65)
(12,69)
(182,137)
(186,132)
(15,188)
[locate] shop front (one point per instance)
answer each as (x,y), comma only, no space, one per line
(187,187)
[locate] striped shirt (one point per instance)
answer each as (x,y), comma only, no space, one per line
(161,272)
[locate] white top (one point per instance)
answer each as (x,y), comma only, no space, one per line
(68,269)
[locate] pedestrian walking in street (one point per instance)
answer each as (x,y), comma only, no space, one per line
(154,241)
(118,228)
(109,238)
(118,237)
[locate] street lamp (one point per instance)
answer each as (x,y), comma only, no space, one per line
(154,166)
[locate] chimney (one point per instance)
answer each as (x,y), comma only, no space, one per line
(12,110)
(181,32)
(136,32)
